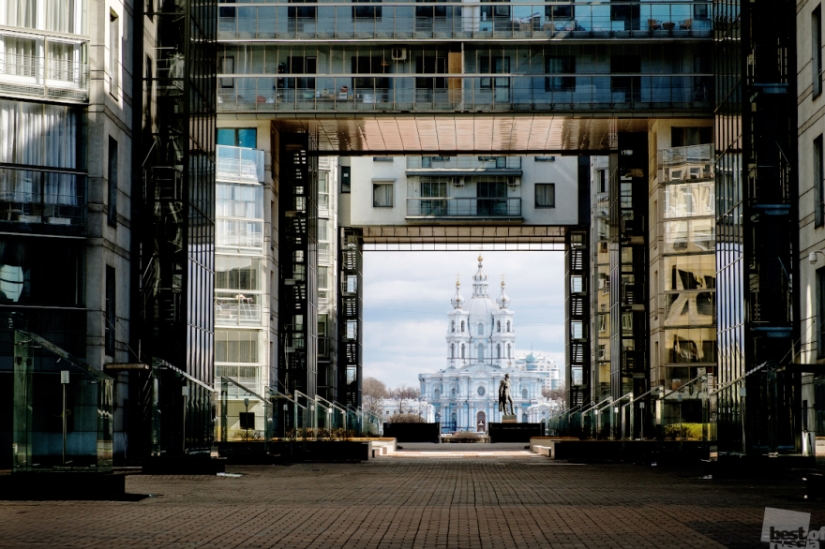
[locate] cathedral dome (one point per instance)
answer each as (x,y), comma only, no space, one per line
(480,306)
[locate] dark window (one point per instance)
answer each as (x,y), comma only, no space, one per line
(560,65)
(30,277)
(545,195)
(818,176)
(431,65)
(299,65)
(491,198)
(630,86)
(499,65)
(382,195)
(111,316)
(112,183)
(366,12)
(497,11)
(238,137)
(820,313)
(430,11)
(345,180)
(307,12)
(247,420)
(369,65)
(559,12)
(685,137)
(816,45)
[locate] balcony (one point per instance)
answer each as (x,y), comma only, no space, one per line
(463,165)
(237,309)
(463,208)
(239,164)
(45,77)
(689,94)
(43,201)
(465,21)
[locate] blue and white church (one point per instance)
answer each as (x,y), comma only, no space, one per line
(481,348)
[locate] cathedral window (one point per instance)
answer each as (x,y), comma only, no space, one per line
(480,351)
(508,350)
(462,326)
(452,350)
(480,329)
(498,350)
(508,325)
(462,350)
(524,393)
(498,325)
(453,325)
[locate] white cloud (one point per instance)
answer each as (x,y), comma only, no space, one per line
(407,296)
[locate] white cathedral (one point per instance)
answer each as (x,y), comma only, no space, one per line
(481,348)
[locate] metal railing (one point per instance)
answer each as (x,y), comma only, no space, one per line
(236,163)
(592,93)
(464,163)
(44,76)
(408,20)
(464,207)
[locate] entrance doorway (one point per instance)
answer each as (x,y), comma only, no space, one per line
(481,422)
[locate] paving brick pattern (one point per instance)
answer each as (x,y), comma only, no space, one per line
(506,502)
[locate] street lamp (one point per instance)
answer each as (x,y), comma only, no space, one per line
(812,256)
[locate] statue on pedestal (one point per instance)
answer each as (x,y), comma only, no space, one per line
(504,396)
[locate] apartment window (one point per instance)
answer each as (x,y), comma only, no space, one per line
(818,175)
(111,317)
(498,12)
(300,65)
(820,313)
(382,195)
(368,64)
(345,179)
(247,420)
(462,326)
(366,12)
(816,44)
(112,183)
(227,66)
(114,52)
(431,11)
(323,277)
(238,137)
(628,85)
(602,181)
(545,195)
(498,65)
(431,65)
(560,12)
(559,66)
(301,13)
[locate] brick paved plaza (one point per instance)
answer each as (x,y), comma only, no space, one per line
(418,498)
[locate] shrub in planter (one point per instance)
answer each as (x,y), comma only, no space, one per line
(465,436)
(405,418)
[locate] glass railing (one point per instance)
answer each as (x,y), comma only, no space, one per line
(42,197)
(44,76)
(69,427)
(592,93)
(464,207)
(463,163)
(239,164)
(238,309)
(575,20)
(243,414)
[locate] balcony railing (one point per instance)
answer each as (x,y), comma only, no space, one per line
(464,207)
(44,77)
(237,310)
(430,20)
(513,93)
(52,199)
(239,164)
(479,163)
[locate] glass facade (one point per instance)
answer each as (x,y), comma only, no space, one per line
(176,223)
(756,240)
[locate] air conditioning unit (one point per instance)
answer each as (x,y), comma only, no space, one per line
(457,181)
(399,54)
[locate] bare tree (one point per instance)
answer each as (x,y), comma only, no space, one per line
(556,394)
(405,392)
(372,391)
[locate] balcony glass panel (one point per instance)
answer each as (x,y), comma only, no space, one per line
(464,207)
(40,67)
(466,20)
(42,197)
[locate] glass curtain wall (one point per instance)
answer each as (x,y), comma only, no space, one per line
(241,341)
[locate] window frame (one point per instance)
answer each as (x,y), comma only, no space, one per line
(114,53)
(112,183)
(816,51)
(553,82)
(820,313)
(818,178)
(536,203)
(391,194)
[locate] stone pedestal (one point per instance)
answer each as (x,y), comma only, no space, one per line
(506,418)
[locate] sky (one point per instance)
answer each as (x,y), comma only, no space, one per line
(407,297)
